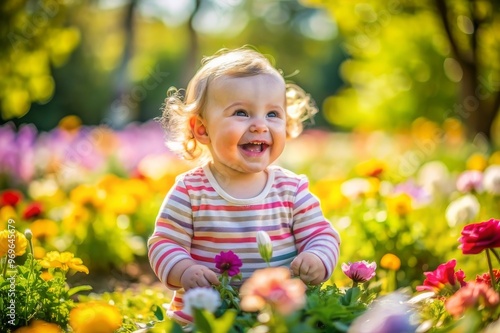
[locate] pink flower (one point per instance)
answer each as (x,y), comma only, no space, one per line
(273,286)
(444,279)
(471,296)
(477,237)
(228,262)
(470,180)
(360,271)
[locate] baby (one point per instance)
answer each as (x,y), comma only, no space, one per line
(235,117)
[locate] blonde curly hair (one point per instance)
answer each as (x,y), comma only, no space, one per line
(178,110)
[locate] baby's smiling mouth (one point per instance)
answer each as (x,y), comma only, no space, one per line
(255,147)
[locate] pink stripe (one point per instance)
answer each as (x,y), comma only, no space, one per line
(181,189)
(285,183)
(303,187)
(157,243)
(311,226)
(314,205)
(160,260)
(270,205)
(200,188)
(309,236)
(225,240)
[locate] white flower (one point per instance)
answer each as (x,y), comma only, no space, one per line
(434,177)
(265,245)
(491,179)
(201,298)
(462,210)
(354,188)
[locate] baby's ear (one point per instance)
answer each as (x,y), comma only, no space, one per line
(199,130)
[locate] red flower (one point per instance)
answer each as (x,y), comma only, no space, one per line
(479,236)
(486,278)
(444,279)
(228,262)
(34,209)
(10,198)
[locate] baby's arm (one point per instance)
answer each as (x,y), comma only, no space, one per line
(309,267)
(317,241)
(188,274)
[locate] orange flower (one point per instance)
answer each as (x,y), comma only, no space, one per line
(95,317)
(64,261)
(275,287)
(39,326)
(18,242)
(46,276)
(70,123)
(390,261)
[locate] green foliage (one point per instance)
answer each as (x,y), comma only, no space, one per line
(25,296)
(34,38)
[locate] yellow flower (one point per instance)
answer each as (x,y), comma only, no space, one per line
(7,212)
(477,161)
(399,204)
(95,317)
(38,252)
(18,242)
(87,194)
(495,158)
(390,261)
(371,168)
(44,228)
(39,326)
(64,261)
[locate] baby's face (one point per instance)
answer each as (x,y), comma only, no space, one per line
(245,121)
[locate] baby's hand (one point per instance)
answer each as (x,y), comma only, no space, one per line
(196,276)
(309,268)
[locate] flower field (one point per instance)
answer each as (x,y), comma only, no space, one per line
(418,213)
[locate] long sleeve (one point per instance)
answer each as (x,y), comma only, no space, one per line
(171,239)
(313,232)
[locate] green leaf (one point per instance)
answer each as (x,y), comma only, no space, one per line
(158,312)
(77,289)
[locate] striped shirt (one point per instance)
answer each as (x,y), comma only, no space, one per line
(198,220)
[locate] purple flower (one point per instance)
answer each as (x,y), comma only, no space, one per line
(390,313)
(470,180)
(228,262)
(359,271)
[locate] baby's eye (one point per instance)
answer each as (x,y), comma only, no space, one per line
(273,114)
(240,113)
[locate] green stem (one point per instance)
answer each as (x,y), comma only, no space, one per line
(490,267)
(496,254)
(4,270)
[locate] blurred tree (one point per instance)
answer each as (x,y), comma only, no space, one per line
(34,37)
(432,58)
(130,52)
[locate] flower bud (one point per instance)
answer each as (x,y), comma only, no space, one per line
(265,246)
(28,234)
